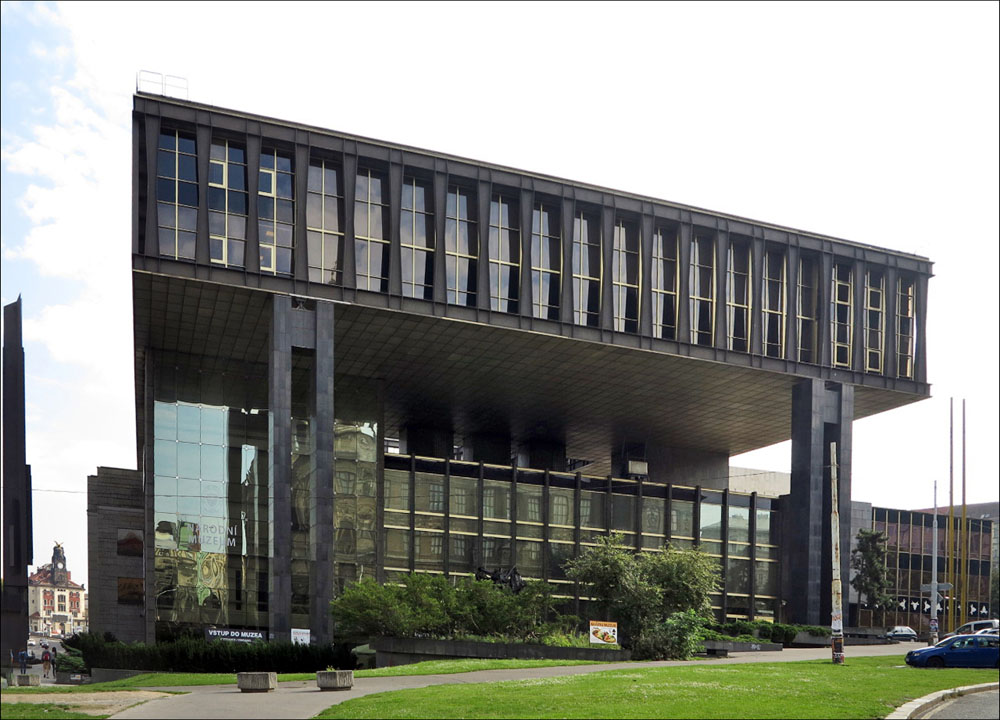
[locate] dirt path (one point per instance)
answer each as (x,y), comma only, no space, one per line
(95,703)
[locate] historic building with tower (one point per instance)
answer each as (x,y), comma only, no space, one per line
(56,604)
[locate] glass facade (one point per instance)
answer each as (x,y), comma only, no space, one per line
(806,308)
(702,289)
(738,303)
(416,240)
(227,203)
(371,231)
(842,314)
(211,486)
(773,299)
(324,218)
(874,320)
(664,282)
(587,269)
(505,255)
(177,194)
(462,246)
(905,326)
(276,211)
(546,261)
(625,271)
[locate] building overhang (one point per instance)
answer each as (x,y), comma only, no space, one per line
(442,366)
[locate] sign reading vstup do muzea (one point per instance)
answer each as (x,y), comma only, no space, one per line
(603,633)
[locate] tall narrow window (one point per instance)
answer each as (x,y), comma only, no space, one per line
(177,194)
(702,282)
(371,231)
(586,269)
(227,203)
(664,283)
(324,231)
(625,274)
(905,326)
(874,320)
(276,211)
(546,261)
(505,255)
(738,285)
(842,314)
(461,246)
(416,234)
(774,303)
(806,307)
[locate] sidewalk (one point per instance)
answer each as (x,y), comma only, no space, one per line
(304,700)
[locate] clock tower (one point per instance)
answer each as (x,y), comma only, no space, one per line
(59,577)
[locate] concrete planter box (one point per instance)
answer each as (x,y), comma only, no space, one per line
(335,679)
(804,639)
(68,678)
(256,681)
(109,674)
(28,680)
(722,648)
(403,651)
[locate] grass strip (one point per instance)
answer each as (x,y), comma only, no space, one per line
(867,687)
(33,711)
(430,667)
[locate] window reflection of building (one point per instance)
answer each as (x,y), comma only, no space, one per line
(625,272)
(738,304)
(417,240)
(546,261)
(177,194)
(505,255)
(664,283)
(702,289)
(587,269)
(461,246)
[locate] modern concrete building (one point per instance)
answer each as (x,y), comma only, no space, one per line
(355,358)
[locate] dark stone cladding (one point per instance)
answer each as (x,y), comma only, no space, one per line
(208,122)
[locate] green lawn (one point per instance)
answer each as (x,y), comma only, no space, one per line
(861,688)
(431,667)
(33,711)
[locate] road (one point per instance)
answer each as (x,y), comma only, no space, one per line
(978,706)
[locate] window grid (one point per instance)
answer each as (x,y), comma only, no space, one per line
(874,320)
(805,308)
(371,228)
(738,303)
(416,231)
(276,211)
(227,203)
(842,320)
(664,282)
(505,255)
(324,232)
(587,270)
(905,326)
(546,262)
(702,300)
(625,271)
(461,247)
(774,303)
(177,194)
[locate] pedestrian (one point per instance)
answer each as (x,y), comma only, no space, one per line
(46,663)
(22,658)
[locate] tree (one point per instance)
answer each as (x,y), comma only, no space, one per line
(871,579)
(642,591)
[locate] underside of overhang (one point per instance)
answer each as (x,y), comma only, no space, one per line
(477,378)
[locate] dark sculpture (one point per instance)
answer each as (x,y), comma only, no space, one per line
(506,578)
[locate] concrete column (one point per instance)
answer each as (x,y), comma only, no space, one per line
(821,413)
(321,507)
(279,461)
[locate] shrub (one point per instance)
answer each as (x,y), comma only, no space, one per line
(70,661)
(676,638)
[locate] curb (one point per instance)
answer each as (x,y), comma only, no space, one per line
(915,708)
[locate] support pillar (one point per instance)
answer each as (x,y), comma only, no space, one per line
(279,456)
(821,413)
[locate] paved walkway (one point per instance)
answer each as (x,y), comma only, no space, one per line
(979,706)
(304,700)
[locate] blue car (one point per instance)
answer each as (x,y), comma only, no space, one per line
(968,651)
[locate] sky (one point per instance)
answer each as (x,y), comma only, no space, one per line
(873,122)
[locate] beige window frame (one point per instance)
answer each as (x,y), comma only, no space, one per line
(702,298)
(327,270)
(623,288)
(364,234)
(665,275)
(807,310)
(543,265)
(500,254)
(739,305)
(272,226)
(583,223)
(453,253)
(906,331)
(874,320)
(411,218)
(774,301)
(842,315)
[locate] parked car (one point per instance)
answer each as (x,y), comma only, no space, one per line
(973,627)
(988,631)
(958,651)
(30,643)
(902,632)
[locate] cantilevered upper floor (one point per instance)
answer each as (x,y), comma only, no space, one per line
(689,318)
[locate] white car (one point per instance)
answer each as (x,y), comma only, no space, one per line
(988,631)
(902,632)
(971,628)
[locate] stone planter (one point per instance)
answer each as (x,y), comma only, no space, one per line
(256,681)
(722,648)
(402,651)
(28,680)
(335,679)
(68,678)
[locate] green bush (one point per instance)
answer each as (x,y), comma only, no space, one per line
(70,661)
(429,605)
(676,638)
